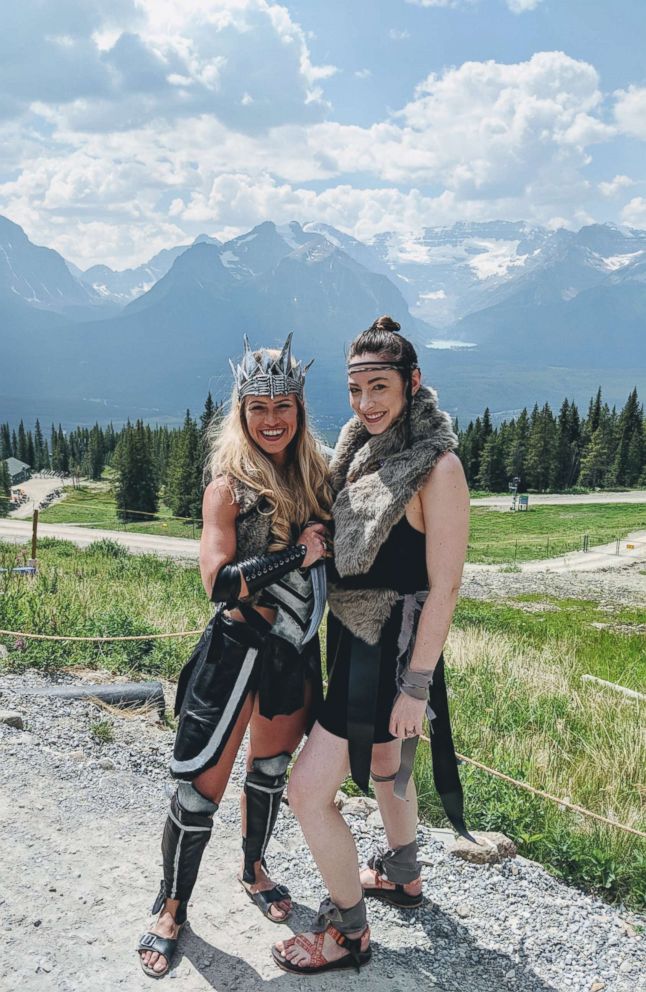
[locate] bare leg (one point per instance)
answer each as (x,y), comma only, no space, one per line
(400,818)
(211,784)
(267,738)
(319,771)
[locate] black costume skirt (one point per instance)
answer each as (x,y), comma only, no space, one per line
(231,660)
(362,688)
(334,712)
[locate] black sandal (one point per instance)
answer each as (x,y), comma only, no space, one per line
(356,958)
(166,946)
(397,896)
(265,900)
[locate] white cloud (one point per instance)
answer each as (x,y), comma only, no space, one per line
(630,111)
(110,175)
(396,35)
(615,185)
(634,213)
(434,3)
(483,129)
(93,70)
(363,73)
(521,6)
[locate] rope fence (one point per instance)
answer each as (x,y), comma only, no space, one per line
(563,803)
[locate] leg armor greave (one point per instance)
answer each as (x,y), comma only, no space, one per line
(264,787)
(186,834)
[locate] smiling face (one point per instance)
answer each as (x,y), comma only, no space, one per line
(272,424)
(378,395)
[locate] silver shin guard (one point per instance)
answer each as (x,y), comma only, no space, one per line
(399,865)
(186,834)
(264,786)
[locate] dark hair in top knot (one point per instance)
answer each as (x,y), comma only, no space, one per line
(383,338)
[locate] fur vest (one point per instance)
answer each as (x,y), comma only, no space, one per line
(253,523)
(374,478)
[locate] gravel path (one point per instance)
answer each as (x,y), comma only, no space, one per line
(81,863)
(622,584)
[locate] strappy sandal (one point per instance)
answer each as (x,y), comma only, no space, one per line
(397,896)
(355,958)
(265,900)
(166,946)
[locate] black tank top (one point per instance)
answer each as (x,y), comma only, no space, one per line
(400,563)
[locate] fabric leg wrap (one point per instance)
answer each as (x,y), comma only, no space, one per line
(186,834)
(399,865)
(382,778)
(345,920)
(263,787)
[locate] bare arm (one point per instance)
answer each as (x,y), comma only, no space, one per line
(218,541)
(445,506)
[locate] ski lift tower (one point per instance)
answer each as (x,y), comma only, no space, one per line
(513,489)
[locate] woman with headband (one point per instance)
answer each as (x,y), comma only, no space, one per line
(257,664)
(401,518)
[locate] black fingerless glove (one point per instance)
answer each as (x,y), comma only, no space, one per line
(258,572)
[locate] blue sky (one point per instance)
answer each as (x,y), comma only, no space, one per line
(135,125)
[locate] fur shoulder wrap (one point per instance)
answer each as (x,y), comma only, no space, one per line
(374,478)
(253,524)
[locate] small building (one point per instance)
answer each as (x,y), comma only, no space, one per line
(18,471)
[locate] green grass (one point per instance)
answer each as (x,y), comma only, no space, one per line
(519,706)
(518,703)
(97,508)
(498,536)
(102,731)
(102,591)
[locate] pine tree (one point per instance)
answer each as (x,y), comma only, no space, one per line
(39,452)
(493,475)
(541,449)
(517,450)
(184,489)
(629,457)
(136,488)
(5,442)
(23,447)
(5,489)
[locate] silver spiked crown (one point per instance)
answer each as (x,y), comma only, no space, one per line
(269,376)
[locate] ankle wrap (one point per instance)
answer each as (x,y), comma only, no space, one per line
(186,834)
(345,920)
(263,787)
(399,865)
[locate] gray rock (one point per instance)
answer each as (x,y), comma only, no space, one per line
(107,764)
(359,805)
(11,718)
(491,849)
(4,652)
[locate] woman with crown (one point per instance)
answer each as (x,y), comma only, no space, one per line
(257,665)
(401,519)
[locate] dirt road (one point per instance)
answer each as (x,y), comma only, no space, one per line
(17,532)
(547,499)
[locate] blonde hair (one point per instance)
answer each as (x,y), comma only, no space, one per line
(295,493)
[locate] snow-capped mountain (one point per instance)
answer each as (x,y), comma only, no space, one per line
(450,273)
(38,276)
(123,286)
(505,305)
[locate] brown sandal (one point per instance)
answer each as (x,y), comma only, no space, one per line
(355,958)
